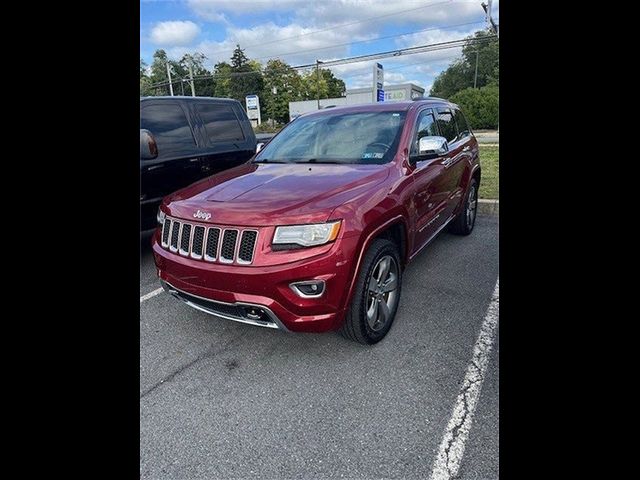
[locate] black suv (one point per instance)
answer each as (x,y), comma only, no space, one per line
(185,139)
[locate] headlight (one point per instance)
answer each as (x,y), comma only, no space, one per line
(307,235)
(160,217)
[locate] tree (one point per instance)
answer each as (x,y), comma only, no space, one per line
(246,75)
(480,105)
(159,72)
(460,74)
(335,86)
(222,77)
(238,59)
(282,84)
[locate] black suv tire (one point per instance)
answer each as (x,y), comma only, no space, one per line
(370,289)
(466,219)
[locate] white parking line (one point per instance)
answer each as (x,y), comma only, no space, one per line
(451,449)
(151,294)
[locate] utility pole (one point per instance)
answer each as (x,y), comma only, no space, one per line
(487,11)
(475,77)
(193,88)
(318,62)
(169,75)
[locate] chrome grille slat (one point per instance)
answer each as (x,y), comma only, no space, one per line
(175,232)
(197,245)
(209,243)
(246,246)
(211,251)
(228,245)
(185,239)
(166,229)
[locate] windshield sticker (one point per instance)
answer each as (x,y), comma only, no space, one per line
(373,155)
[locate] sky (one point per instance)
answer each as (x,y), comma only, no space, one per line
(301,31)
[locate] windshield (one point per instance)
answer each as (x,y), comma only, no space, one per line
(364,137)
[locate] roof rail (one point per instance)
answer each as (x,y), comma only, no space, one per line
(429,98)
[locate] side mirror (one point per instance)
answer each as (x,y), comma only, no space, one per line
(260,146)
(148,146)
(432,147)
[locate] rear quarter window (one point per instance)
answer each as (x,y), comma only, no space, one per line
(461,122)
(447,125)
(220,122)
(170,127)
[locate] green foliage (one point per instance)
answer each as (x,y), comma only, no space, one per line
(461,73)
(322,82)
(282,85)
(480,105)
(240,77)
(246,76)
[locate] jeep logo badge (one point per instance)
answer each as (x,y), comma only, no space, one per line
(203,215)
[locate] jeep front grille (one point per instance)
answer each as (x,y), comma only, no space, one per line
(209,243)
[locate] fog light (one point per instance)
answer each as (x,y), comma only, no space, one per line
(308,289)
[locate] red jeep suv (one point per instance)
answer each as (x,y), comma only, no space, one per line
(313,233)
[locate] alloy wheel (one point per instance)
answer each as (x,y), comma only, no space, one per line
(382,292)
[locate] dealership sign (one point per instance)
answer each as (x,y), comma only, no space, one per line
(253,107)
(378,83)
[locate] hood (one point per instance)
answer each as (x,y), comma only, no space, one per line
(263,194)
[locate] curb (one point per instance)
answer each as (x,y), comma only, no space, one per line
(489,207)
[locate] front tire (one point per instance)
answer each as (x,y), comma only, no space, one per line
(377,294)
(466,219)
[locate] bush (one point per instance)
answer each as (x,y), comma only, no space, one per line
(267,127)
(480,106)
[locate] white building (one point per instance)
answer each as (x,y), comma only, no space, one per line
(392,93)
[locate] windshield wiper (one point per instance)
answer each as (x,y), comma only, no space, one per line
(315,160)
(266,160)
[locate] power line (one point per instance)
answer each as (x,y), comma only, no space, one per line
(338,26)
(361,58)
(368,40)
(402,51)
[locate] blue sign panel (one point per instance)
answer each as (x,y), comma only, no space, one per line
(380,95)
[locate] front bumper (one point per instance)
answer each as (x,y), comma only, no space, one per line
(218,289)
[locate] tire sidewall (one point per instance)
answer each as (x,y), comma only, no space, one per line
(370,335)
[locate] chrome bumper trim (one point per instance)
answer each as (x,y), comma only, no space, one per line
(277,324)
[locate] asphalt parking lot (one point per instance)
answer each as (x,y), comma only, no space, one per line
(221,400)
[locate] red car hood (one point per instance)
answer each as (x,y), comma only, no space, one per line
(268,194)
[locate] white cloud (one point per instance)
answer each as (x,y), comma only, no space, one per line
(303,31)
(174,33)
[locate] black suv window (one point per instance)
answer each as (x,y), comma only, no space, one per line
(426,128)
(447,125)
(220,122)
(168,124)
(463,126)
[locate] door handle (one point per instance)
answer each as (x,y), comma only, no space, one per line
(447,162)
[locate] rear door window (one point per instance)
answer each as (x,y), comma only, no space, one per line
(447,125)
(220,122)
(168,124)
(461,122)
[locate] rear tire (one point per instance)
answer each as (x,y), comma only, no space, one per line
(377,294)
(466,219)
